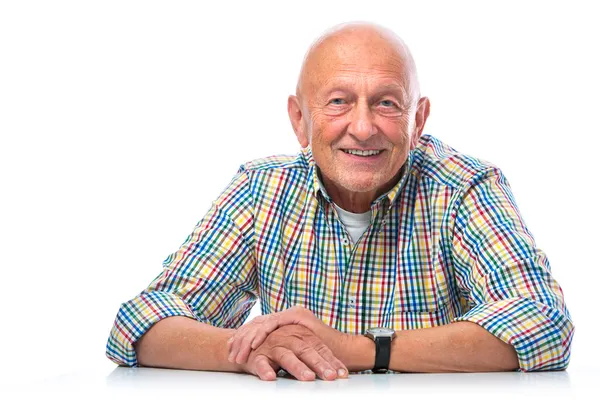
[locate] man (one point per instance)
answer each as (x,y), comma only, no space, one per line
(371,225)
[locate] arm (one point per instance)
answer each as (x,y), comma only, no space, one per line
(461,346)
(505,279)
(211,279)
(456,347)
(207,288)
(182,343)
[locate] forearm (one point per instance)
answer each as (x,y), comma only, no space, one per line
(456,347)
(183,343)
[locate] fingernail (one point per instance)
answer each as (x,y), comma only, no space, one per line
(269,376)
(308,375)
(341,372)
(329,373)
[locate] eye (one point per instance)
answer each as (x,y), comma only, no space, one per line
(387,103)
(337,101)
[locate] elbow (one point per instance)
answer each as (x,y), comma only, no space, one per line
(120,361)
(120,351)
(553,355)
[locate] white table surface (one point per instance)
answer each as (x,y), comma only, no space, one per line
(118,382)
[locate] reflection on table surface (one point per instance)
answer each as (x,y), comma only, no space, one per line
(514,384)
(131,383)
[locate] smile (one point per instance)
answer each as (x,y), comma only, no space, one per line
(363,153)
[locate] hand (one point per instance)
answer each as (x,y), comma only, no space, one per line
(297,350)
(251,335)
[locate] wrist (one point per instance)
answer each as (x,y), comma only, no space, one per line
(357,352)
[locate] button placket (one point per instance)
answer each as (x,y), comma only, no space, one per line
(383,223)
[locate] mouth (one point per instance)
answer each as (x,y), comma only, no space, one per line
(363,153)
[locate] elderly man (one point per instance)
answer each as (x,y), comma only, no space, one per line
(375,248)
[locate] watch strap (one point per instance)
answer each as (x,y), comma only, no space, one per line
(383,348)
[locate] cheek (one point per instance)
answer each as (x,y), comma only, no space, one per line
(396,131)
(327,129)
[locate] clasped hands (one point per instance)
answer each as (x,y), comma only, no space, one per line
(293,339)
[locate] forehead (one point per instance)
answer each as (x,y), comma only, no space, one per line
(348,59)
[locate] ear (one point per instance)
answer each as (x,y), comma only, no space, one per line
(420,118)
(297,120)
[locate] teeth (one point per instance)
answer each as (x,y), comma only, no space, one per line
(363,153)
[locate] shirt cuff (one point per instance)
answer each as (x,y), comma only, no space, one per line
(540,334)
(138,315)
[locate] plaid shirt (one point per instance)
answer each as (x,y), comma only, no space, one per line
(446,244)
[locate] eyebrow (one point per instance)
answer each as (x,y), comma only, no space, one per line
(387,88)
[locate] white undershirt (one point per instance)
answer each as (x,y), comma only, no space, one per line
(356,224)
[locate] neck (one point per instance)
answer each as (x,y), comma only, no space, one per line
(357,203)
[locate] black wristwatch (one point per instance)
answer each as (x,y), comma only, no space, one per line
(383,346)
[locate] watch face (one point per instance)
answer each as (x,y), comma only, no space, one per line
(381,331)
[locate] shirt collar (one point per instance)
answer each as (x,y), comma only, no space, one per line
(317,187)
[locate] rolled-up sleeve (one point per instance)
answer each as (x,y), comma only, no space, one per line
(506,279)
(211,278)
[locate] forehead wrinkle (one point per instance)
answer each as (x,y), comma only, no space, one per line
(352,72)
(349,83)
(346,80)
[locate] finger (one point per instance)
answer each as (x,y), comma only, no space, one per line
(311,357)
(235,343)
(232,348)
(239,336)
(254,336)
(240,333)
(337,365)
(263,330)
(259,339)
(245,348)
(263,369)
(230,342)
(292,364)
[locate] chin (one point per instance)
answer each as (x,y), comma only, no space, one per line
(360,186)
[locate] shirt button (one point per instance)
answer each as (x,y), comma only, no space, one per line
(345,242)
(352,301)
(383,222)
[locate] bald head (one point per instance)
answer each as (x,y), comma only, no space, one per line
(358,45)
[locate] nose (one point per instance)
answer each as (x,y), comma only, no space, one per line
(361,124)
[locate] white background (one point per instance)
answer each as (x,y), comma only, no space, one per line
(120,122)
